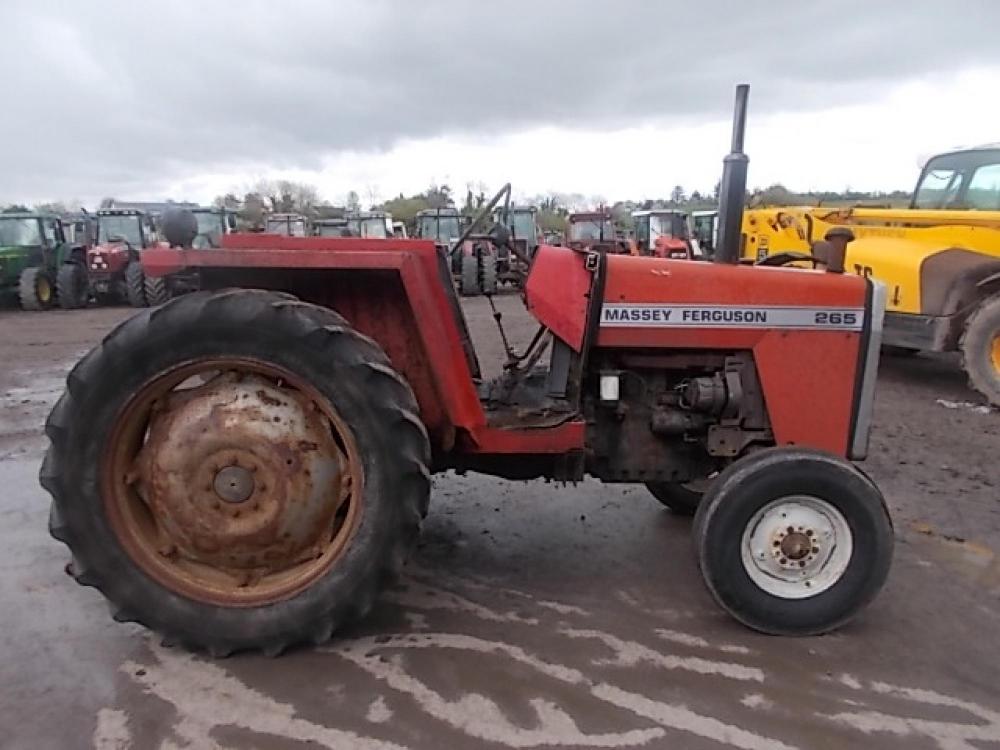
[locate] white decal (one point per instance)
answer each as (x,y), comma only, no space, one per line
(643,315)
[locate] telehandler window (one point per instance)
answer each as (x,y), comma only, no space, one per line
(984,188)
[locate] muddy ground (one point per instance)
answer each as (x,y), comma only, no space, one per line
(532,614)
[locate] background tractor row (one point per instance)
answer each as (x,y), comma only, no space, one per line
(939,258)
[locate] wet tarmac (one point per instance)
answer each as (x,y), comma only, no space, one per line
(532,614)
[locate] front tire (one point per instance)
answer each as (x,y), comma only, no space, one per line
(127,462)
(792,541)
(35,290)
(135,284)
(980,347)
(488,273)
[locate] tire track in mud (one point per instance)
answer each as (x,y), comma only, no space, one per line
(490,685)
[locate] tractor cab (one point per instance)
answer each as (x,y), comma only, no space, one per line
(664,233)
(706,230)
(592,229)
(522,221)
(967,180)
(331,228)
(371,225)
(30,244)
(289,225)
(213,223)
(442,225)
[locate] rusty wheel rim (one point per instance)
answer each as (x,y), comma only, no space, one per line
(995,354)
(232,481)
(44,290)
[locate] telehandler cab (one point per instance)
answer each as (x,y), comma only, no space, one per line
(246,468)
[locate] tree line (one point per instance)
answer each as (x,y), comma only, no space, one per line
(287,196)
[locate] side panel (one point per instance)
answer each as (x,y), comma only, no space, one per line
(803,327)
(558,292)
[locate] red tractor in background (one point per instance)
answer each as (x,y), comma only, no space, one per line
(664,233)
(111,271)
(245,468)
(594,230)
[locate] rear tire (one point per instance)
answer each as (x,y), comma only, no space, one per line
(35,289)
(980,347)
(72,286)
(792,541)
(135,284)
(343,370)
(677,497)
(155,288)
(469,278)
(488,273)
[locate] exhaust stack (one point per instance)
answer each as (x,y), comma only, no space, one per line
(732,190)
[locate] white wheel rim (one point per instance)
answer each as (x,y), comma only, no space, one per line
(796,547)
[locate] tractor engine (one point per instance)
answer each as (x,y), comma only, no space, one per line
(672,417)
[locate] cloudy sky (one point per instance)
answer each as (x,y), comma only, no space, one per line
(144,100)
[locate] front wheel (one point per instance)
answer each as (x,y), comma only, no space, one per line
(237,470)
(980,346)
(792,541)
(35,290)
(468,283)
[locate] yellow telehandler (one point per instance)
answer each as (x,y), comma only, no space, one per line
(939,258)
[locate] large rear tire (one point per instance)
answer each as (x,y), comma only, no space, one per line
(155,288)
(488,273)
(35,289)
(135,284)
(72,286)
(677,497)
(469,277)
(792,541)
(132,439)
(980,347)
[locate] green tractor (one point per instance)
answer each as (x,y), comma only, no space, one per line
(32,248)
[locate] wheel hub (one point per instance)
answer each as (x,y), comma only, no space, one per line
(241,475)
(234,484)
(797,547)
(995,353)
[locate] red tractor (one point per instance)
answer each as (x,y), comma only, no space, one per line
(112,271)
(245,468)
(594,230)
(664,233)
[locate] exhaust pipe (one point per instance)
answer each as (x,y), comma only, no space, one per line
(733,188)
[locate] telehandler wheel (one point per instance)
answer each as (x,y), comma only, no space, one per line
(792,541)
(135,284)
(237,470)
(71,286)
(677,497)
(980,346)
(35,289)
(488,273)
(155,288)
(468,281)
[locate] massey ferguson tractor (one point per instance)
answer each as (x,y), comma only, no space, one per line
(247,466)
(111,270)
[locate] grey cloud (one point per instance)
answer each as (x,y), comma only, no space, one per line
(119,97)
